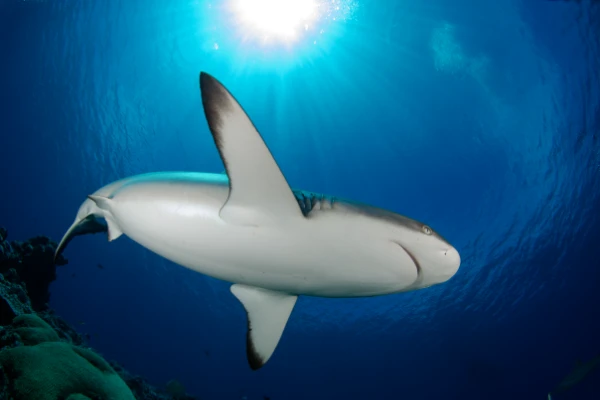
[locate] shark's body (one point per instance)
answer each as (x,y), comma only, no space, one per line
(250,228)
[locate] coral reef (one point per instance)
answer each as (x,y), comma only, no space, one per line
(41,356)
(46,368)
(33,261)
(142,390)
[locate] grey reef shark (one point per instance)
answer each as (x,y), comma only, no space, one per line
(581,371)
(274,243)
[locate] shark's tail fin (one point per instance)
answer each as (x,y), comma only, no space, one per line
(83,226)
(94,207)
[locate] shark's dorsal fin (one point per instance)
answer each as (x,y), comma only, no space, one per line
(268,312)
(258,192)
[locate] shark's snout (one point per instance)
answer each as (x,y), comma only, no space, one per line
(452,259)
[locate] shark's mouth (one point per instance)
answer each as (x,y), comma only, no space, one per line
(417,266)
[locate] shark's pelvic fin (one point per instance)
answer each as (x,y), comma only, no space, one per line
(268,312)
(104,203)
(258,192)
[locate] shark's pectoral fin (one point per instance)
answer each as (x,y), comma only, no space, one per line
(268,312)
(258,192)
(85,226)
(104,203)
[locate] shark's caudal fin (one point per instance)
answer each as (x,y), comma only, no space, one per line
(83,226)
(258,192)
(87,222)
(268,312)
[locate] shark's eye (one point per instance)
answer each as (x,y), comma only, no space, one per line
(427,230)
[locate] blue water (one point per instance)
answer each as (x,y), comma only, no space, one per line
(479,118)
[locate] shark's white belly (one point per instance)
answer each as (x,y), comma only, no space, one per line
(318,257)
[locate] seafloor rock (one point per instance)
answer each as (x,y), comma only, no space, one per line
(33,260)
(41,356)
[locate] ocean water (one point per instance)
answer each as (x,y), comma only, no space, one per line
(481,119)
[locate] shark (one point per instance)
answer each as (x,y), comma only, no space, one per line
(249,227)
(581,371)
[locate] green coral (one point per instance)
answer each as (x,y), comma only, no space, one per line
(78,397)
(48,369)
(33,330)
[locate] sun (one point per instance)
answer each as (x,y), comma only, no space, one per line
(281,20)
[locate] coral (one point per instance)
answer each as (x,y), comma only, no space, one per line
(5,248)
(33,330)
(142,390)
(78,396)
(62,328)
(41,356)
(33,260)
(13,298)
(47,369)
(56,370)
